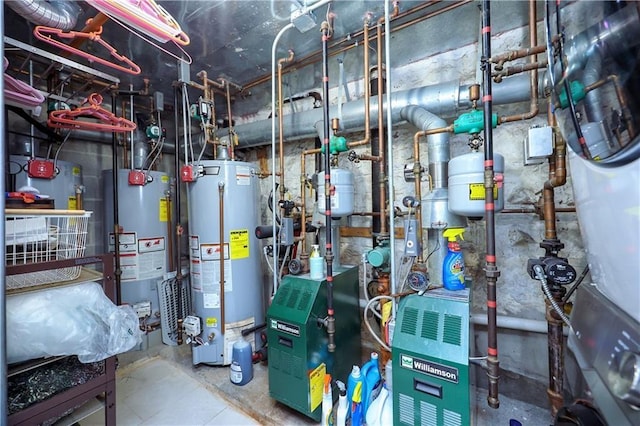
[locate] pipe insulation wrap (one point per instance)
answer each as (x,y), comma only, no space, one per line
(443,99)
(57,14)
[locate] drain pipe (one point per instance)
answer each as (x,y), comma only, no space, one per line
(491,270)
(221,231)
(331,321)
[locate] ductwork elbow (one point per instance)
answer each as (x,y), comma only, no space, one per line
(56,14)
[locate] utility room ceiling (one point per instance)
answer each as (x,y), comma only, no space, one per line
(233,39)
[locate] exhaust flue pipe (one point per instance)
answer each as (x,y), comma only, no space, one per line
(56,14)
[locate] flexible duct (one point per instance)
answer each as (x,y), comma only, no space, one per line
(57,14)
(443,99)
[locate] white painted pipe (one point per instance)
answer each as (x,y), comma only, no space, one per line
(514,323)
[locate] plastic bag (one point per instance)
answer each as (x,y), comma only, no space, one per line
(74,320)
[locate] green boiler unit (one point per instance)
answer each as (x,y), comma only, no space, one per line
(430,358)
(297,350)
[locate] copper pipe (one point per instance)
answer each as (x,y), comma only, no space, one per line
(221,247)
(367,91)
(533,58)
(511,55)
(169,233)
(281,63)
(313,57)
(231,132)
(417,171)
(367,157)
(303,192)
(381,144)
(517,69)
(557,177)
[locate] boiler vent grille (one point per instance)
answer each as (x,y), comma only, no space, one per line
(452,329)
(405,409)
(428,414)
(430,322)
(409,321)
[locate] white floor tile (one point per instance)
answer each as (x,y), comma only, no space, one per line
(231,417)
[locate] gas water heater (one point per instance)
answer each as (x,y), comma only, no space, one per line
(430,358)
(223,214)
(143,216)
(64,187)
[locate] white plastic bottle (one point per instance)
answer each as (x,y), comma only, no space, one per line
(327,401)
(380,412)
(343,406)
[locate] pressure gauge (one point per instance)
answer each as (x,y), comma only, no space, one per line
(418,281)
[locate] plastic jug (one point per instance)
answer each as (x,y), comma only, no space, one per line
(370,372)
(380,411)
(241,370)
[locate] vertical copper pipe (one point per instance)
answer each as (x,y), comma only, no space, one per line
(231,133)
(303,192)
(417,172)
(221,231)
(281,63)
(381,144)
(169,232)
(533,77)
(367,90)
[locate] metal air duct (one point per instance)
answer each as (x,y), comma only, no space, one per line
(57,14)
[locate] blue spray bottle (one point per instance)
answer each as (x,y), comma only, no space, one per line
(453,265)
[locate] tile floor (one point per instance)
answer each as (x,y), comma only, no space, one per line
(152,391)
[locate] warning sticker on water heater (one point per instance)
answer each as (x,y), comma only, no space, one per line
(243,175)
(239,241)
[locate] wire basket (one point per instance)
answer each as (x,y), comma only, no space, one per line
(34,236)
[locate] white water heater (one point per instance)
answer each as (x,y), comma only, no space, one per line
(143,215)
(466,184)
(227,191)
(63,188)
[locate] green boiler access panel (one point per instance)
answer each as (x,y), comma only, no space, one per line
(298,354)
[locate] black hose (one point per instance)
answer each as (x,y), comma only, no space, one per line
(327,186)
(491,270)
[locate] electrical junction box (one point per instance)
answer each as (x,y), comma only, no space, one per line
(189,173)
(298,354)
(430,357)
(143,309)
(303,20)
(41,169)
(191,326)
(137,177)
(538,145)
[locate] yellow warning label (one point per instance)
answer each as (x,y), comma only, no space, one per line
(164,210)
(476,192)
(72,204)
(164,179)
(211,322)
(316,383)
(75,171)
(239,241)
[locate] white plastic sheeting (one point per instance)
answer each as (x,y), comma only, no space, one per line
(72,320)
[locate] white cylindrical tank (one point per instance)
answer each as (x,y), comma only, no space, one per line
(342,198)
(143,212)
(466,184)
(62,188)
(243,284)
